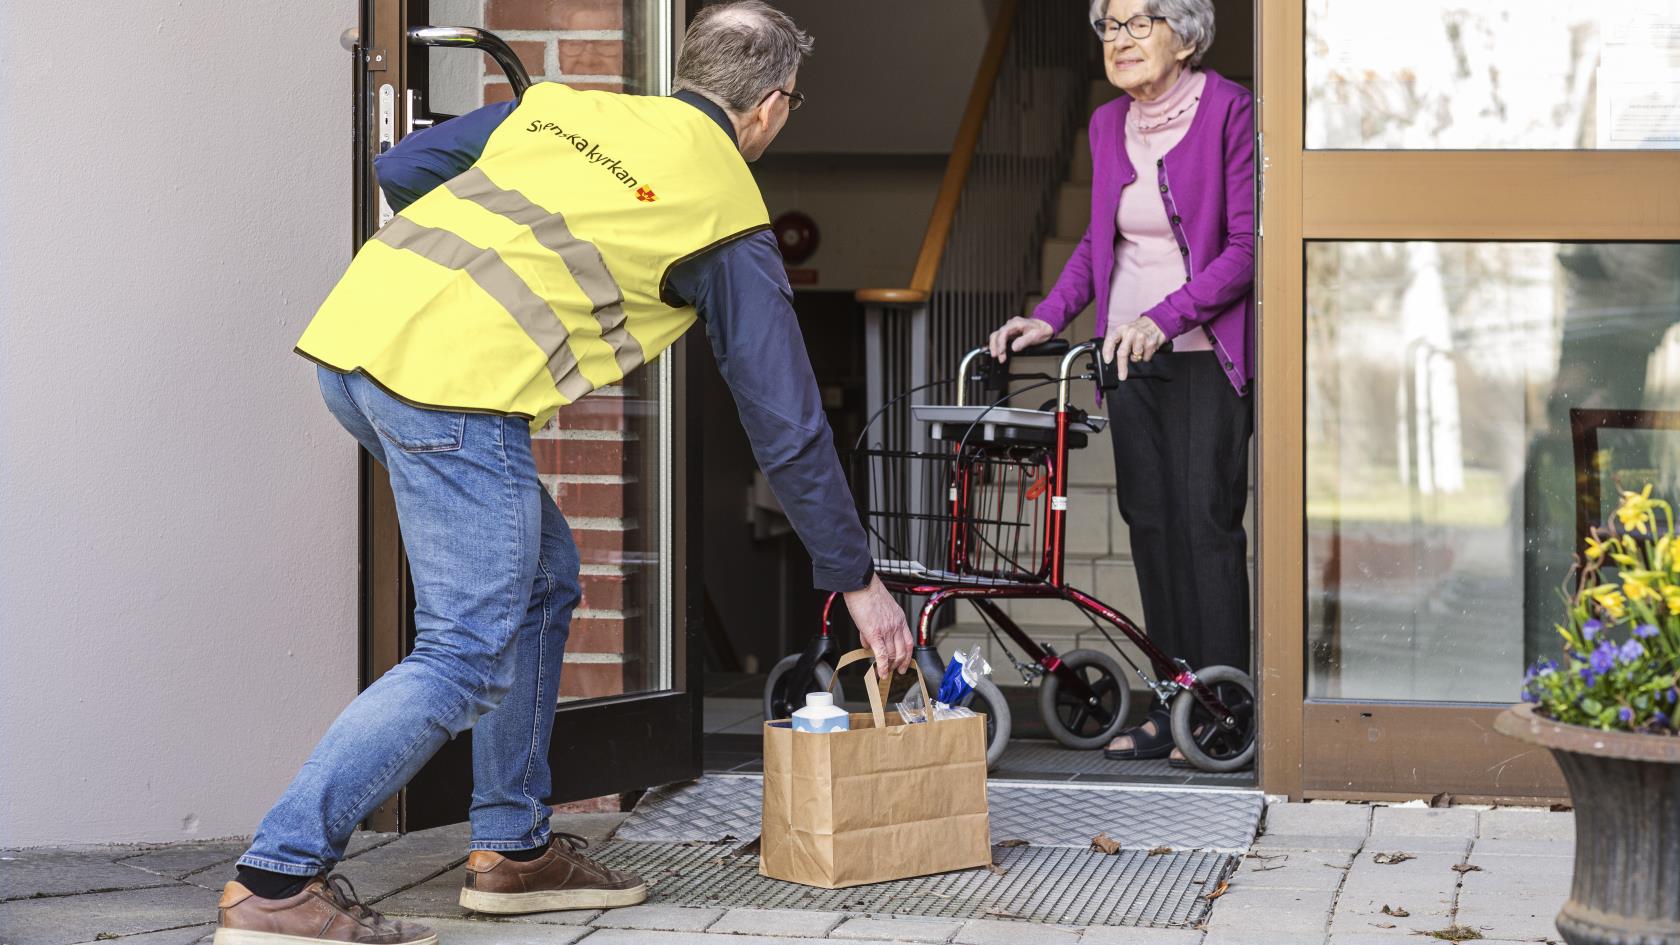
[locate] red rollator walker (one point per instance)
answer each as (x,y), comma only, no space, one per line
(981,516)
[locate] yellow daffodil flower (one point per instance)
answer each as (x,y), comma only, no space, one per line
(1671,597)
(1595,548)
(1610,598)
(1635,508)
(1637,584)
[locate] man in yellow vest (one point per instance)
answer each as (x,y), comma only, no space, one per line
(543,249)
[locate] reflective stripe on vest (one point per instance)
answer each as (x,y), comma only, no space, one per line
(582,259)
(495,277)
(535,276)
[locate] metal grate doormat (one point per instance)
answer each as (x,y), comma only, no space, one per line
(1054,885)
(718,808)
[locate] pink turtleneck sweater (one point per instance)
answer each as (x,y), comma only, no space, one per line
(1147,261)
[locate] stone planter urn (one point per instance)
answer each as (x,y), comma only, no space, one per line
(1626,792)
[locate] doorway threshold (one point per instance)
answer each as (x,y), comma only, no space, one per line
(699,839)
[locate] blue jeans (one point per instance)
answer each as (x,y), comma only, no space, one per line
(495,582)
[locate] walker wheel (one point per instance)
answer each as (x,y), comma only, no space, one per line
(987,699)
(1083,722)
(1203,741)
(780,701)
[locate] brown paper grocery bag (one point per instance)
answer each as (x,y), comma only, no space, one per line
(883,801)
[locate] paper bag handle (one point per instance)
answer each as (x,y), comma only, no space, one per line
(878,686)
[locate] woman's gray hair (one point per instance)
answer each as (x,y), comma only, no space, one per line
(735,53)
(1192,20)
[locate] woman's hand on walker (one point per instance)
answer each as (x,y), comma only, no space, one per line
(1133,341)
(881,626)
(1025,332)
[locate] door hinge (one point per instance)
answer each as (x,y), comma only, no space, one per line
(375,59)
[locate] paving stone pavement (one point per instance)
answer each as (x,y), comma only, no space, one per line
(1311,878)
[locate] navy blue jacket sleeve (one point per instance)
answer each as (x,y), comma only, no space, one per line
(742,294)
(428,157)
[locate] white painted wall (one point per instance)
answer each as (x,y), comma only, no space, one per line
(177,510)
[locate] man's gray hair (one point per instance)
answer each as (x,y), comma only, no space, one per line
(735,53)
(1192,20)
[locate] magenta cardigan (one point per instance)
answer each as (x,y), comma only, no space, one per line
(1207,184)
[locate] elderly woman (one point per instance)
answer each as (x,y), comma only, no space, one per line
(1169,259)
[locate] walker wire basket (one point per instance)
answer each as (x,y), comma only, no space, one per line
(957,514)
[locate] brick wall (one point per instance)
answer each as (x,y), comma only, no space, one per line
(590,457)
(578,42)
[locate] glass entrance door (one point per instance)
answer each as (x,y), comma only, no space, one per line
(629,716)
(1470,289)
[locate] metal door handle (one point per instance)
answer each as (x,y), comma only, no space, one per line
(468,37)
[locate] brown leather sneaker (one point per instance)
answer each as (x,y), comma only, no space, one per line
(560,879)
(326,911)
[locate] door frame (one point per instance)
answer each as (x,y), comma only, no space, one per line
(1388,750)
(613,735)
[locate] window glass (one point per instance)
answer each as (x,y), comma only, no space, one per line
(1457,393)
(1503,74)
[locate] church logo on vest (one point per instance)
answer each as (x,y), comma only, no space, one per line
(593,154)
(645,195)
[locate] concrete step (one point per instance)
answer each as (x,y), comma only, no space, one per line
(1057,250)
(1102,92)
(1079,171)
(1073,210)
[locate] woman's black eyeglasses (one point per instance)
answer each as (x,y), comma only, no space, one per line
(795,99)
(1140,26)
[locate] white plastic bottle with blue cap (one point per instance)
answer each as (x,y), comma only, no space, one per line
(821,715)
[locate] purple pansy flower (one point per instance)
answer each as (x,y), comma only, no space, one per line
(1590,629)
(1626,715)
(1631,650)
(1645,631)
(1603,659)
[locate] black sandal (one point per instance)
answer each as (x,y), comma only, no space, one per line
(1146,746)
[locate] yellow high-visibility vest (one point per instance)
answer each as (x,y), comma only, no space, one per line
(538,275)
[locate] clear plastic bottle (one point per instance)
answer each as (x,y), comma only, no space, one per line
(820,715)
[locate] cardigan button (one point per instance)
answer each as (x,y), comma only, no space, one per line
(1160,162)
(1227,365)
(1163,188)
(1177,219)
(1184,250)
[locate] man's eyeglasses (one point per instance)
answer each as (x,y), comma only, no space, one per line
(1140,26)
(795,99)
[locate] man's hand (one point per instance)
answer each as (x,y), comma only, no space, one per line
(1025,333)
(1132,341)
(881,625)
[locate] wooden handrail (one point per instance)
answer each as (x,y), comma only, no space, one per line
(956,169)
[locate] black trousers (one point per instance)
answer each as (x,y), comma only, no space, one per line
(1181,467)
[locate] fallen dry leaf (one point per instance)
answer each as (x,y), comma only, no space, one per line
(1103,843)
(1385,859)
(1382,925)
(1399,912)
(1456,933)
(1217,891)
(996,870)
(1466,868)
(1157,851)
(1006,844)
